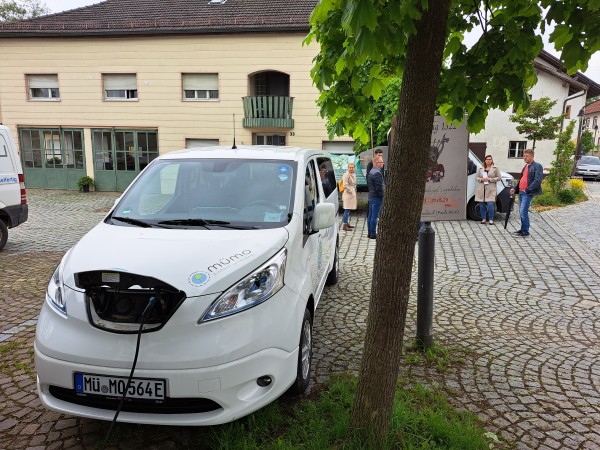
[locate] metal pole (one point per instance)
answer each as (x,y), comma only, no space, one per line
(425,286)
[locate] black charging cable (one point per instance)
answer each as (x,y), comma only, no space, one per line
(144,316)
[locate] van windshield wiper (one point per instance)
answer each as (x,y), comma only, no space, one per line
(129,220)
(206,223)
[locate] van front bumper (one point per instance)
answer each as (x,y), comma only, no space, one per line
(203,396)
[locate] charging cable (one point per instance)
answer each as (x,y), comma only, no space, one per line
(145,315)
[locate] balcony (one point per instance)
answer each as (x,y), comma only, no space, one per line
(268,111)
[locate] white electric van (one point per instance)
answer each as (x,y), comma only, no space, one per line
(13,199)
(210,267)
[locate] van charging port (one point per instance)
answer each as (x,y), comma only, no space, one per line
(116,300)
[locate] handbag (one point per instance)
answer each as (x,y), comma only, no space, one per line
(341,186)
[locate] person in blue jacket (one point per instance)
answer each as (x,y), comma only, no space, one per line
(529,186)
(376,185)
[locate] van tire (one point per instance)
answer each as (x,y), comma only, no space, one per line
(473,210)
(332,277)
(3,234)
(304,367)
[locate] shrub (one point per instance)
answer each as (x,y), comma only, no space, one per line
(566,196)
(546,199)
(576,184)
(85,181)
(562,164)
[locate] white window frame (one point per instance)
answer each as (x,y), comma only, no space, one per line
(516,148)
(200,87)
(119,87)
(43,88)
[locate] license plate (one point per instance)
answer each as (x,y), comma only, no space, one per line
(146,388)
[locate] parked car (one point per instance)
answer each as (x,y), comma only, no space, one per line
(14,209)
(211,265)
(588,167)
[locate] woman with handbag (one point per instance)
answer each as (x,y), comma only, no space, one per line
(485,189)
(349,196)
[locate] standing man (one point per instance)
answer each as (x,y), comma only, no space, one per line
(529,186)
(376,185)
(377,155)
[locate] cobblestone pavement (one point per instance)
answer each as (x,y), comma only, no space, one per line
(521,315)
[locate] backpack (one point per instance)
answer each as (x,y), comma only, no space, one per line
(341,186)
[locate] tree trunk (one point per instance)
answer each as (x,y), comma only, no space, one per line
(398,224)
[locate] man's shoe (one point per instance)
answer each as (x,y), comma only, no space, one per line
(518,233)
(372,236)
(345,227)
(522,235)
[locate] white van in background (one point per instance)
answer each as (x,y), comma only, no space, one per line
(13,199)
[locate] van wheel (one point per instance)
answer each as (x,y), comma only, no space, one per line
(3,234)
(473,210)
(332,277)
(304,356)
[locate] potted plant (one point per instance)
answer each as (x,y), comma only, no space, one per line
(84,183)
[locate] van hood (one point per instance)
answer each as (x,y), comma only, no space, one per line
(197,262)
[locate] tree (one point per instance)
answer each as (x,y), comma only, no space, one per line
(560,171)
(587,142)
(533,122)
(410,39)
(12,10)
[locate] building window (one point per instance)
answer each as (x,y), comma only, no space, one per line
(120,86)
(595,123)
(268,139)
(515,149)
(43,87)
(200,86)
(568,112)
(127,151)
(52,148)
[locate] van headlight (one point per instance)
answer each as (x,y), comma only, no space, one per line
(254,289)
(55,294)
(508,182)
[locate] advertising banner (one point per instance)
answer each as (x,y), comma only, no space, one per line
(445,191)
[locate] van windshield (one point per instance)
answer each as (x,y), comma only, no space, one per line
(210,193)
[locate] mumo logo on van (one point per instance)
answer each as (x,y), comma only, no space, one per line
(5,180)
(201,278)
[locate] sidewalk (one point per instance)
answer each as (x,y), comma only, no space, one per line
(522,313)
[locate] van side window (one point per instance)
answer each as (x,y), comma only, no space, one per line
(3,147)
(310,196)
(327,175)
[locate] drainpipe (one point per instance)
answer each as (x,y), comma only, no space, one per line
(579,94)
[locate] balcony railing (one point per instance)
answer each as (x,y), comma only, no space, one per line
(268,111)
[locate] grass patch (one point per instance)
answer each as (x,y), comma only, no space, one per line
(10,362)
(422,419)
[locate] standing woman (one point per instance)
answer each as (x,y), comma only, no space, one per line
(349,199)
(485,190)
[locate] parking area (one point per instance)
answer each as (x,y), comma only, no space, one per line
(522,314)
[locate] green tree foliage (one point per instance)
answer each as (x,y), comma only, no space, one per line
(587,142)
(560,171)
(363,45)
(534,123)
(12,10)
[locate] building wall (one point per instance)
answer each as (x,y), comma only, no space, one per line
(499,130)
(158,62)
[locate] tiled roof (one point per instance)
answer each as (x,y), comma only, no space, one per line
(168,17)
(593,107)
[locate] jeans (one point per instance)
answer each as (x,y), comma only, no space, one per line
(489,207)
(346,216)
(374,208)
(524,202)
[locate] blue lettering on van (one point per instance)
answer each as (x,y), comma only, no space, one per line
(6,180)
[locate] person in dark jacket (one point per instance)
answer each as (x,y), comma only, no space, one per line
(529,186)
(376,185)
(378,154)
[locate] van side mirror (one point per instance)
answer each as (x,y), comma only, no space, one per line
(324,216)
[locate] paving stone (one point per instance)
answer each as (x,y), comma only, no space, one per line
(530,373)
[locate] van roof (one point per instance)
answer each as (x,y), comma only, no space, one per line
(245,151)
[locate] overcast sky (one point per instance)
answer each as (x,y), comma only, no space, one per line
(593,71)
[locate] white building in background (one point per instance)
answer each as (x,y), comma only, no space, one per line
(500,137)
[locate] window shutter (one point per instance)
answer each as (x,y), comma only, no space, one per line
(200,82)
(119,82)
(43,81)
